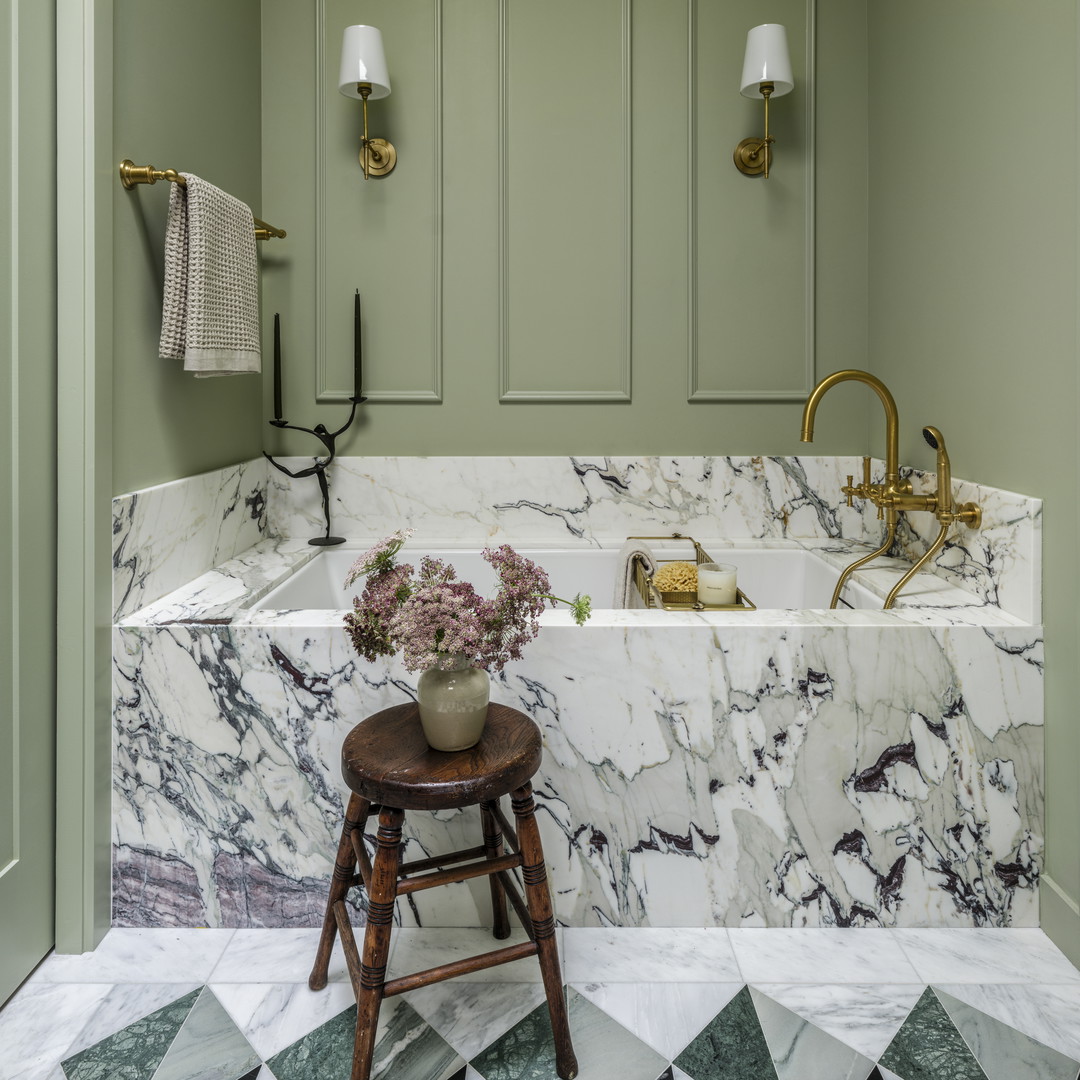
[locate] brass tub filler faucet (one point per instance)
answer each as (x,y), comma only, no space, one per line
(893,494)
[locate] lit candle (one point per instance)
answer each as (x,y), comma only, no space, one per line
(277,366)
(358,353)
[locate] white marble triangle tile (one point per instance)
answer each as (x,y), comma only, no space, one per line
(648,954)
(820,955)
(667,1016)
(470,1016)
(278,956)
(139,955)
(888,1074)
(678,1074)
(1002,1051)
(1048,1014)
(273,1016)
(36,1026)
(472,1074)
(799,1049)
(1021,954)
(864,1017)
(209,1045)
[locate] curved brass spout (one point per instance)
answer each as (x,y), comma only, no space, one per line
(892,418)
(890,536)
(931,551)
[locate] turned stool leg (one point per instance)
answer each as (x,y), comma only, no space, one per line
(344,871)
(493,848)
(380,918)
(534,875)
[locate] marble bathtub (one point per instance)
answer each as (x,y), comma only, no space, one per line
(769,768)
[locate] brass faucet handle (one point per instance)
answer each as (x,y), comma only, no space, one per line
(849,491)
(970,514)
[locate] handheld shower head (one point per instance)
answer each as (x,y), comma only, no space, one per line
(936,441)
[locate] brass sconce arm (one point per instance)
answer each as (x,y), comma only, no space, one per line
(753,155)
(377,156)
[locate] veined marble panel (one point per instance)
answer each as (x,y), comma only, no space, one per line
(489,498)
(498,499)
(755,775)
(164,536)
(1000,562)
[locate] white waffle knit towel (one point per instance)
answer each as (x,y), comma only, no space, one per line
(210,309)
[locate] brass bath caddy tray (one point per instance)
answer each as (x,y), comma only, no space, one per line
(652,597)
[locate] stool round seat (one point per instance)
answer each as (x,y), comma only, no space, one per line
(386,760)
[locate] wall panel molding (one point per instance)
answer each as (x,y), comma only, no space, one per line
(698,384)
(515,361)
(326,232)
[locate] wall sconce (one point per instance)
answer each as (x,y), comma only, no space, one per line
(363,75)
(766,73)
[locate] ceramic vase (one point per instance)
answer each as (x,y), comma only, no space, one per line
(453,704)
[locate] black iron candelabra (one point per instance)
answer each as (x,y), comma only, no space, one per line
(319,465)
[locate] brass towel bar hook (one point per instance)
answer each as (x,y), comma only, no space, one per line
(132,174)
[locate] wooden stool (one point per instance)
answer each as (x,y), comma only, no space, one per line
(390,768)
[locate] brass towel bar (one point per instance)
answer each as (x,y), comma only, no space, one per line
(132,174)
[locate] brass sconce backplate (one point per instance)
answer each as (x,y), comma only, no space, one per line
(749,156)
(382,157)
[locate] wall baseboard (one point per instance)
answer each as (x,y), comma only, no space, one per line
(1060,918)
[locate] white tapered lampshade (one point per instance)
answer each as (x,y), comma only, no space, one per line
(363,61)
(766,60)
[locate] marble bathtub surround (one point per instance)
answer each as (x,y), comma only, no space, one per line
(860,769)
(589,498)
(165,536)
(768,768)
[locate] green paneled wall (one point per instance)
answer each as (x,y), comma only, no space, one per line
(186,97)
(973,299)
(565,252)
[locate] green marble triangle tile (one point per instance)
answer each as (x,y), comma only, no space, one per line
(134,1052)
(799,1049)
(208,1047)
(928,1046)
(406,1048)
(732,1046)
(603,1047)
(1003,1052)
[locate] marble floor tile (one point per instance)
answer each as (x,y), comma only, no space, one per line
(278,956)
(406,1048)
(1048,1014)
(137,1050)
(820,955)
(928,1045)
(273,1016)
(209,1046)
(666,1016)
(732,1045)
(864,1017)
(986,955)
(418,948)
(125,1004)
(800,1050)
(138,955)
(678,1074)
(36,1027)
(470,1016)
(648,954)
(1003,1052)
(603,1048)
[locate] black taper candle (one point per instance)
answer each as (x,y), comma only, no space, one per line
(358,353)
(277,366)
